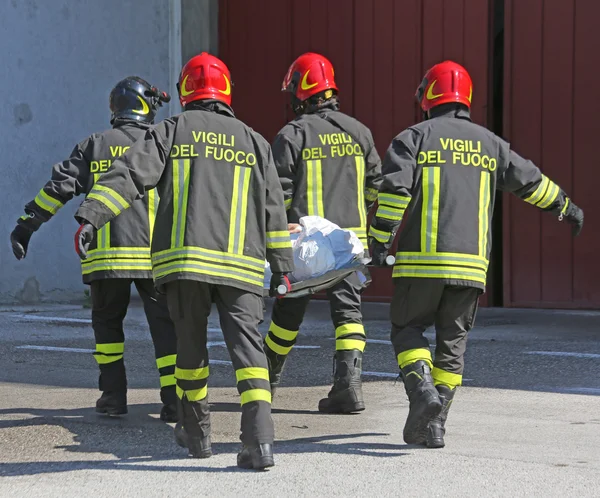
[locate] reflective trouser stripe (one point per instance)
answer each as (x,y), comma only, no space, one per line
(349,337)
(349,344)
(253,384)
(314,188)
(191,374)
(166,361)
(413,355)
(430,210)
(192,395)
(167,380)
(448,379)
(239,207)
(181,186)
(109,352)
(280,340)
(252,373)
(360,187)
(166,368)
(255,395)
(484,215)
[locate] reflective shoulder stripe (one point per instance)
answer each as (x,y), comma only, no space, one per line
(47,203)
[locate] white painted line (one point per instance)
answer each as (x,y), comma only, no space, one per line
(379,341)
(219,362)
(53,348)
(212,329)
(38,318)
(380,374)
(307,347)
(564,353)
(211,344)
(581,390)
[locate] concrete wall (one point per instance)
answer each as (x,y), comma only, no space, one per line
(199,28)
(59,61)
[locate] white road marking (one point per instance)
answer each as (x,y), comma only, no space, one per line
(581,390)
(53,348)
(564,353)
(307,347)
(380,374)
(211,344)
(219,362)
(379,341)
(38,318)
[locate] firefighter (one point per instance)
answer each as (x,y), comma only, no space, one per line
(443,173)
(329,167)
(121,254)
(221,213)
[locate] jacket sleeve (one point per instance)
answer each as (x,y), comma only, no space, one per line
(69,178)
(395,191)
(372,172)
(279,244)
(526,181)
(136,171)
(286,155)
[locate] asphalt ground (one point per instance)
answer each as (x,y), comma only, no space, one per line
(525,423)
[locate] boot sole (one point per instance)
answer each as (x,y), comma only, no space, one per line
(418,434)
(435,444)
(258,463)
(346,408)
(112,412)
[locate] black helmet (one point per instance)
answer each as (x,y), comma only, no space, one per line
(134,98)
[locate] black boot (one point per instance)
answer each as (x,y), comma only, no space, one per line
(257,457)
(168,412)
(424,400)
(198,446)
(112,403)
(437,427)
(276,363)
(346,394)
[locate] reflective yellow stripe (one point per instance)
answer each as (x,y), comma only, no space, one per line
(360,186)
(379,235)
(349,344)
(550,196)
(255,395)
(239,207)
(413,355)
(442,272)
(350,328)
(210,255)
(389,213)
(564,209)
(181,184)
(102,236)
(117,254)
(393,200)
(484,215)
(539,192)
(451,380)
(314,188)
(281,350)
(371,194)
(429,257)
(107,202)
(278,240)
(191,374)
(430,211)
(196,394)
(439,260)
(252,373)
(167,380)
(166,361)
(179,392)
(114,265)
(110,348)
(152,205)
(202,268)
(47,203)
(103,360)
(112,193)
(281,333)
(288,203)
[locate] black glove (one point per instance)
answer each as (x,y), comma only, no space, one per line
(574,216)
(379,252)
(19,238)
(83,239)
(277,281)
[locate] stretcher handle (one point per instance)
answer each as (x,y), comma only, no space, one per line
(282,290)
(390,260)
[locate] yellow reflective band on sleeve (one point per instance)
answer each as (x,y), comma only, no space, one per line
(431,207)
(276,348)
(102,237)
(239,206)
(110,348)
(166,361)
(413,355)
(484,214)
(191,374)
(389,213)
(281,333)
(360,187)
(109,197)
(314,188)
(379,235)
(103,360)
(47,203)
(371,194)
(255,395)
(197,394)
(279,240)
(252,373)
(350,328)
(349,344)
(393,200)
(288,203)
(152,208)
(540,192)
(109,204)
(448,379)
(181,186)
(167,380)
(550,196)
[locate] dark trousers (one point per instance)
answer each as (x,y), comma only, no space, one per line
(421,303)
(344,302)
(239,312)
(110,300)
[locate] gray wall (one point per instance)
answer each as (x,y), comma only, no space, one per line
(196,13)
(59,60)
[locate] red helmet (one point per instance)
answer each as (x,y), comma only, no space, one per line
(204,77)
(443,83)
(308,75)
